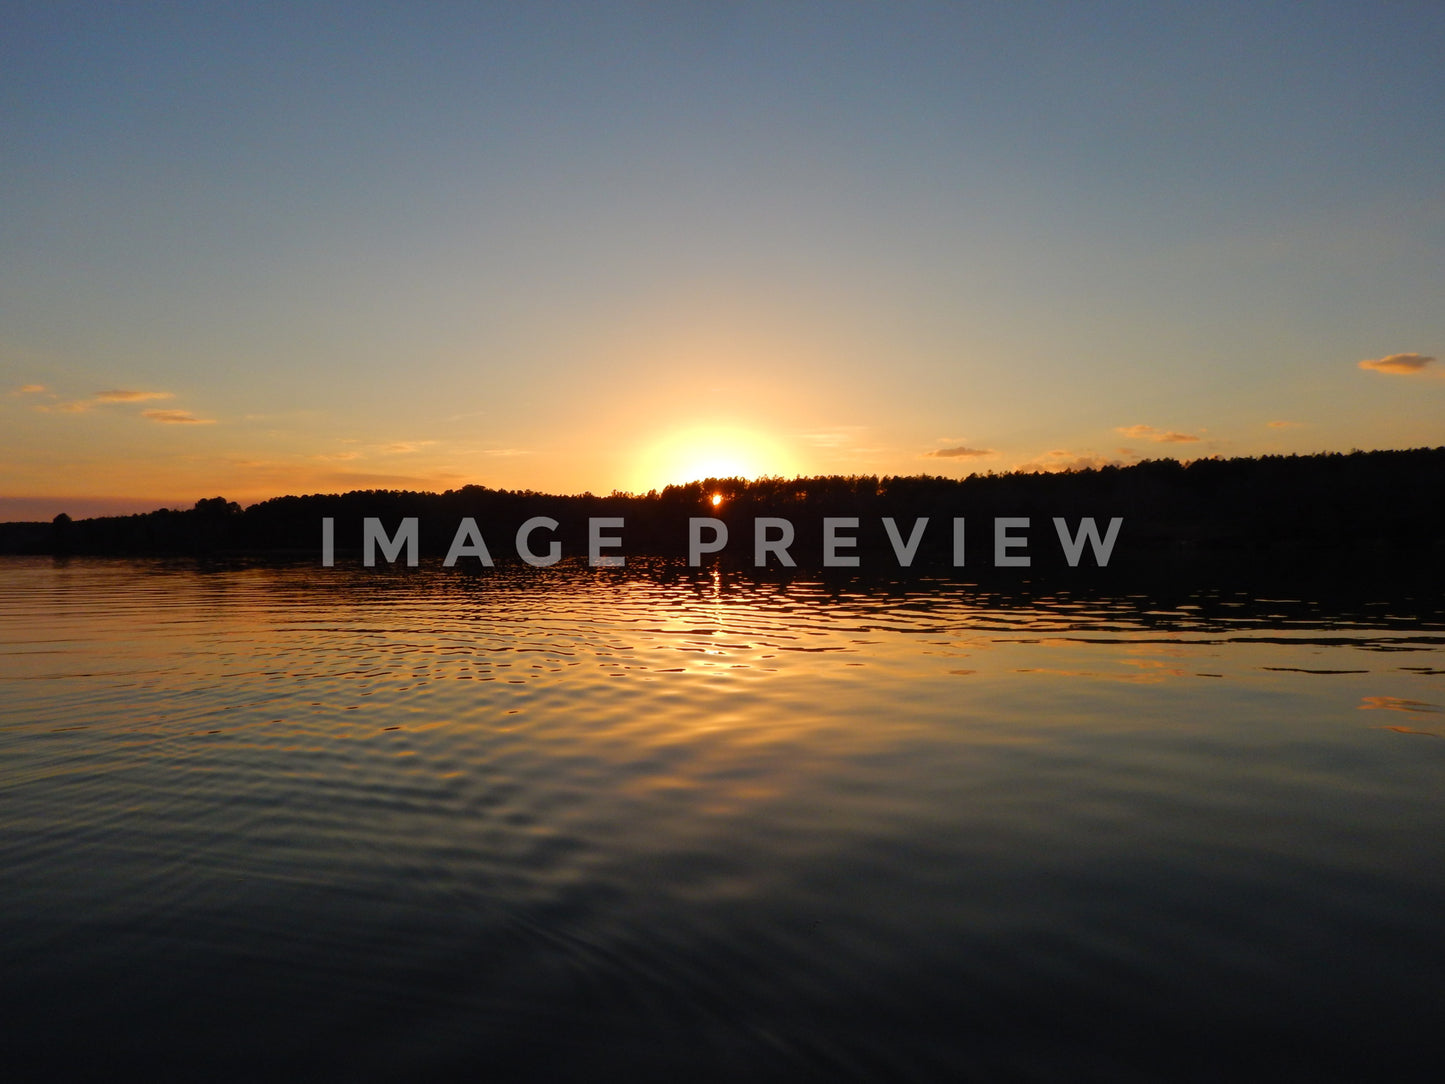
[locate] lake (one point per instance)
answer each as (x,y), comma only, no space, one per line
(569,823)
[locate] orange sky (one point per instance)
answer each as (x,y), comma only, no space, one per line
(594,250)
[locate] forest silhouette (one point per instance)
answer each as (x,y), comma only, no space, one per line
(1342,515)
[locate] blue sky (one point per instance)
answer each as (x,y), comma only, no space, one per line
(249,249)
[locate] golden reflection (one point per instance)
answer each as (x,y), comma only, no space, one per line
(1131,679)
(1395,703)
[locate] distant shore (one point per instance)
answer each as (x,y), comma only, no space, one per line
(1340,513)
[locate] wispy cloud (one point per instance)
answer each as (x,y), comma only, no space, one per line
(176,417)
(1401,364)
(1160,436)
(84,406)
(1285,425)
(837,437)
(1061,459)
(406,447)
(505,451)
(304,476)
(957,453)
(123,395)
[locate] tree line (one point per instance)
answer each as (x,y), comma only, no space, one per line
(1355,508)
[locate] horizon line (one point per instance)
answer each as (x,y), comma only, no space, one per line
(130,506)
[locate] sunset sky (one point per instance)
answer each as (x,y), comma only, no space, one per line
(253,249)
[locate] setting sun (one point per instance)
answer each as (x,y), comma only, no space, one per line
(716,499)
(692,455)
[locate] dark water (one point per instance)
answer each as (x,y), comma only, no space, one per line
(566,824)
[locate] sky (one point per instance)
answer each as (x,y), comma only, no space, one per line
(253,249)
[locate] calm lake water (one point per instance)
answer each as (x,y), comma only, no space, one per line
(558,824)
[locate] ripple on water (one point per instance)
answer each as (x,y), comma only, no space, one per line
(399,822)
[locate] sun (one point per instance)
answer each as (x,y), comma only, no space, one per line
(696,454)
(716,499)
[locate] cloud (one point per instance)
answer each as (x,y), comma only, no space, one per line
(121,395)
(1285,425)
(1406,364)
(406,447)
(837,437)
(1160,436)
(176,417)
(1061,459)
(82,406)
(29,389)
(957,453)
(268,477)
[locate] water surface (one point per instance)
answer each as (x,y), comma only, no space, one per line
(556,824)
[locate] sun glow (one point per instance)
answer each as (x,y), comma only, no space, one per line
(693,455)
